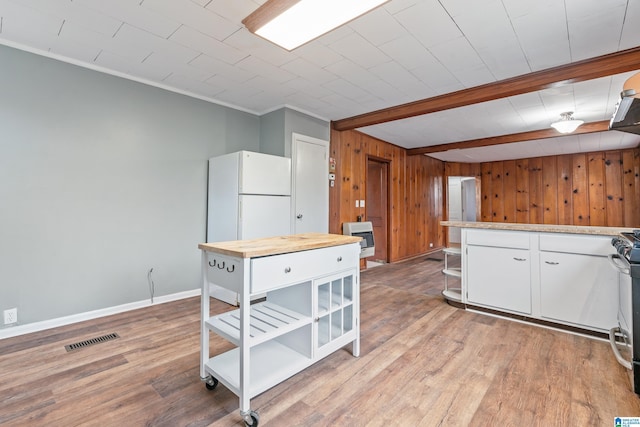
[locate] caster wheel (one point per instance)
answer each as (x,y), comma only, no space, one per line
(211,383)
(255,418)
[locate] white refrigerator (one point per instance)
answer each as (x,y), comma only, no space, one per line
(249,198)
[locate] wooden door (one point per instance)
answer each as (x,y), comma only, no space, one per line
(377,205)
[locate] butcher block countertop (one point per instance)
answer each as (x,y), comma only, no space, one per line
(544,228)
(277,245)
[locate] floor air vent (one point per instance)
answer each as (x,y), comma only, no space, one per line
(91,341)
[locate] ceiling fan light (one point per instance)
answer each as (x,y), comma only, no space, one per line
(292,23)
(567,124)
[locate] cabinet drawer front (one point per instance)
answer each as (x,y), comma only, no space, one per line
(225,271)
(275,271)
(575,244)
(498,238)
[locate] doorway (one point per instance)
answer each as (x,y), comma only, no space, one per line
(377,207)
(462,197)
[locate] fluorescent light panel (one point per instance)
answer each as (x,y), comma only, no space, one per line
(304,20)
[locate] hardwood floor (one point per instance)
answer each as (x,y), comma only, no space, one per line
(422,363)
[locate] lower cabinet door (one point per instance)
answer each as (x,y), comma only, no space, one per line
(579,289)
(499,278)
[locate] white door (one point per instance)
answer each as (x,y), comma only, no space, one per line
(455,207)
(468,199)
(310,163)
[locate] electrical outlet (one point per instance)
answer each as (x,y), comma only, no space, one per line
(11,316)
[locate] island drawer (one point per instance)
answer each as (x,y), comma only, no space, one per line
(272,272)
(225,271)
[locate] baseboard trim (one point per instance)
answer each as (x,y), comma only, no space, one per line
(14,331)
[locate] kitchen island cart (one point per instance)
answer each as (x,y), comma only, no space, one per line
(311,309)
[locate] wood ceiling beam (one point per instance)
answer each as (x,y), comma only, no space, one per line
(588,69)
(507,139)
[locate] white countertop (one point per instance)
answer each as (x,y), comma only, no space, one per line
(545,228)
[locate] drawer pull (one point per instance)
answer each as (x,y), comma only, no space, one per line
(212,265)
(519,259)
(551,262)
(287,270)
(233,267)
(221,266)
(339,259)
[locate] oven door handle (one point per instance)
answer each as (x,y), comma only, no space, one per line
(614,347)
(616,260)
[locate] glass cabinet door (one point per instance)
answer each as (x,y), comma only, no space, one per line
(334,307)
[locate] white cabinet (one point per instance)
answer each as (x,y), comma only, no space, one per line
(555,277)
(498,269)
(577,284)
(311,309)
(499,278)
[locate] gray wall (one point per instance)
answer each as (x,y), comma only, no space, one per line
(278,126)
(101,179)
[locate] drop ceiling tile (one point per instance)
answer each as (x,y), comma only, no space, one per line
(145,40)
(474,76)
(116,45)
(213,66)
(334,35)
(519,8)
(396,6)
(70,11)
(250,44)
(548,48)
(403,80)
(437,76)
(378,27)
(168,64)
(21,20)
(199,42)
(309,88)
(194,86)
(408,52)
(493,31)
(630,36)
(271,72)
(133,14)
(359,50)
(346,89)
(594,27)
(73,49)
(457,56)
(195,16)
(234,11)
(302,67)
(429,23)
(319,54)
(119,63)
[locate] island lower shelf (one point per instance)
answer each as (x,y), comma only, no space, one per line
(271,363)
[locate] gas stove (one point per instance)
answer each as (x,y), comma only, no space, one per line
(628,245)
(627,262)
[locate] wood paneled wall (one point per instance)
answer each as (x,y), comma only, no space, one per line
(415,192)
(597,189)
